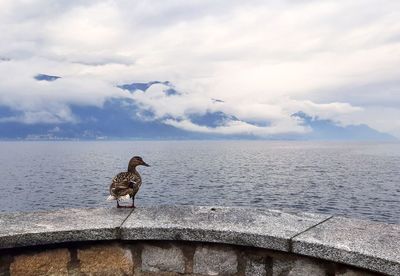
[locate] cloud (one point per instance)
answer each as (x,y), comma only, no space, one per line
(47,117)
(21,91)
(264,59)
(247,118)
(238,127)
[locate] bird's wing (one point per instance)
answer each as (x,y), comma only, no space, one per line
(121,177)
(135,183)
(122,190)
(135,180)
(120,185)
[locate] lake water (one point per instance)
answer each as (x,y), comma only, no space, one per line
(359,180)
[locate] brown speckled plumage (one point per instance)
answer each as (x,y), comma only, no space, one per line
(127,184)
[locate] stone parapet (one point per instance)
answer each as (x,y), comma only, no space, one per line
(193,240)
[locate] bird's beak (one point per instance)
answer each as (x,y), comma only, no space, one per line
(145,164)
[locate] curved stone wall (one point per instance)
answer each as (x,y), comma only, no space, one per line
(189,240)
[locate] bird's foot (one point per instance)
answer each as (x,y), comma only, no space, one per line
(123,206)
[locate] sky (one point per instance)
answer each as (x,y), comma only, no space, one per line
(265,60)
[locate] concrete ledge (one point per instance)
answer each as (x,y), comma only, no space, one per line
(240,226)
(27,229)
(363,244)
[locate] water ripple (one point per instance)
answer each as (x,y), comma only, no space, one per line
(349,179)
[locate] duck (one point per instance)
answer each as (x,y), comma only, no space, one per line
(125,185)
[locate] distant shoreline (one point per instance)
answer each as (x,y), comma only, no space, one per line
(186,139)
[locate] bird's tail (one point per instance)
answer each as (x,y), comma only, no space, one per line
(110,198)
(125,197)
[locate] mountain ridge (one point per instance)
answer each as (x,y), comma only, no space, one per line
(125,119)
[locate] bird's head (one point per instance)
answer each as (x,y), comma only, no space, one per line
(136,161)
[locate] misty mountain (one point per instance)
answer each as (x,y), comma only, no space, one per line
(329,130)
(44,77)
(124,119)
(146,85)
